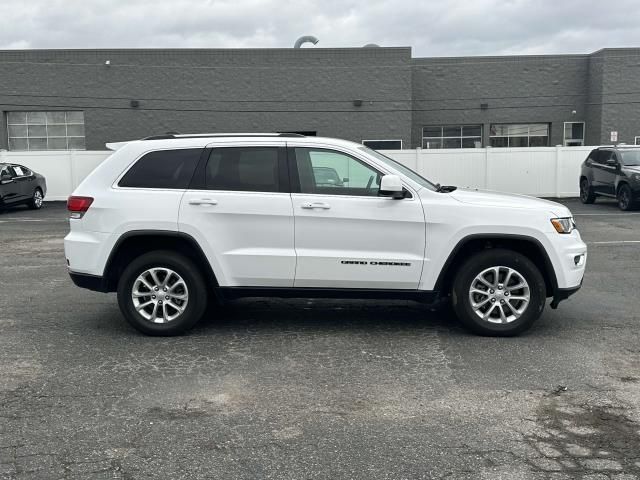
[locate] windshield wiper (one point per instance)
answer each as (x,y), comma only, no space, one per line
(445,188)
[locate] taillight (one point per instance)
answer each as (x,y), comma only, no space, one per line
(78,205)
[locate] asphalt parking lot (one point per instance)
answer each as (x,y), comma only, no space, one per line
(299,389)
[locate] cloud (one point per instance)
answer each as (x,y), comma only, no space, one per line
(432,28)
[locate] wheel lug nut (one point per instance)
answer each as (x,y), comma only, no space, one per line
(160,302)
(153,296)
(501,301)
(156,289)
(167,297)
(491,291)
(493,299)
(506,294)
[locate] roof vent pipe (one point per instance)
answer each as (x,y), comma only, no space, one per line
(305,39)
(371,45)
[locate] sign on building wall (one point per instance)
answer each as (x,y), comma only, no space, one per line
(614,136)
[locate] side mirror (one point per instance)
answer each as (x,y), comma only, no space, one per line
(612,162)
(5,178)
(391,186)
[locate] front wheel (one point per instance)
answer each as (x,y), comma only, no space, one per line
(625,199)
(162,293)
(498,293)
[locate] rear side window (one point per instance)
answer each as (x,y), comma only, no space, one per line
(245,169)
(163,169)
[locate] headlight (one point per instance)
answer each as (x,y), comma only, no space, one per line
(563,225)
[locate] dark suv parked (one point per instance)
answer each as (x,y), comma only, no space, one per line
(612,172)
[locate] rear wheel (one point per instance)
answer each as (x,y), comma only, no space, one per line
(586,192)
(36,200)
(499,293)
(162,293)
(625,199)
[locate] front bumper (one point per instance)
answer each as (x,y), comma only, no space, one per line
(562,294)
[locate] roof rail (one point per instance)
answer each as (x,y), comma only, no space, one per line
(201,135)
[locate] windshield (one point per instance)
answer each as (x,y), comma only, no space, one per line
(631,157)
(401,168)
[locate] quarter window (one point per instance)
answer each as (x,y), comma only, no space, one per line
(452,136)
(163,169)
(246,169)
(519,135)
(329,172)
(46,130)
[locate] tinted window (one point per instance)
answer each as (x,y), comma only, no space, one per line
(630,157)
(604,155)
(333,173)
(163,169)
(18,170)
(245,169)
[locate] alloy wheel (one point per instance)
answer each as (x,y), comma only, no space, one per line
(37,198)
(159,295)
(499,294)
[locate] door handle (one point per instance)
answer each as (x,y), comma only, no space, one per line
(309,205)
(203,201)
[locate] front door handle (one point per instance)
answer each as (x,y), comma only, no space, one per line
(309,205)
(203,201)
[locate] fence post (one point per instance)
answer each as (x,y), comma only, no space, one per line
(558,157)
(72,169)
(486,167)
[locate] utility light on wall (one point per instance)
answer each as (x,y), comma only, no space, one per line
(107,62)
(134,103)
(484,106)
(357,103)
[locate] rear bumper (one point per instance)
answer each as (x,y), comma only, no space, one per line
(90,282)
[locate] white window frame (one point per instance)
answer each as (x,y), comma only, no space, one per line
(564,129)
(385,140)
(461,137)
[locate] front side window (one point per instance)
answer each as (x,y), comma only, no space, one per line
(163,169)
(452,136)
(329,172)
(245,169)
(573,134)
(46,130)
(519,135)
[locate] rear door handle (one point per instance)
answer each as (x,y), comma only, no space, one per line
(309,205)
(203,201)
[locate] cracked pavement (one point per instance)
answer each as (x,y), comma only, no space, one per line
(293,389)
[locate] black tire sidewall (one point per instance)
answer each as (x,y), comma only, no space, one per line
(588,196)
(189,273)
(493,258)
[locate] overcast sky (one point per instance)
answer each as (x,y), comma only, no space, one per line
(432,28)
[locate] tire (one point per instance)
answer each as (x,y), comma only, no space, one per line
(586,192)
(161,262)
(36,200)
(625,198)
(515,320)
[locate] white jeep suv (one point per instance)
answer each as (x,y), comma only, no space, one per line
(174,222)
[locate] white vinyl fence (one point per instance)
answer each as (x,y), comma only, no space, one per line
(538,171)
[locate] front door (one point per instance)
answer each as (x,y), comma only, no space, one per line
(10,191)
(346,236)
(240,211)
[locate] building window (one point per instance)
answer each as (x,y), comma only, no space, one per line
(452,136)
(637,141)
(383,144)
(573,134)
(519,135)
(46,130)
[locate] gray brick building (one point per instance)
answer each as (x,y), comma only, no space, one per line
(61,99)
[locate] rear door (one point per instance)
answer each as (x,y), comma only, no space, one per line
(346,236)
(25,182)
(604,174)
(10,191)
(239,209)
